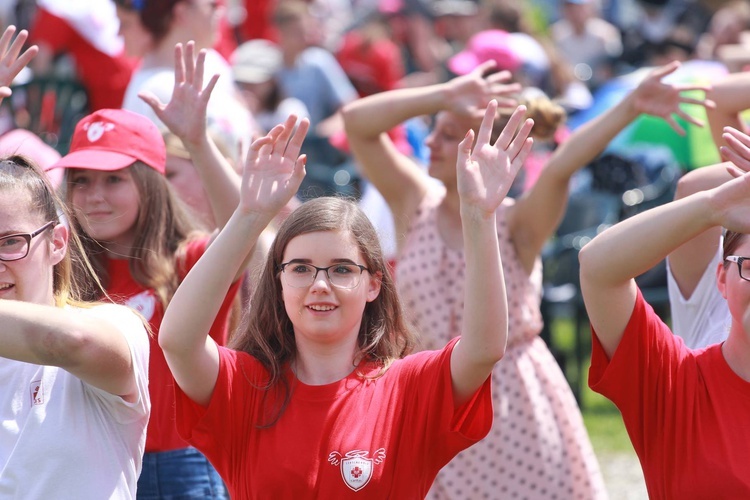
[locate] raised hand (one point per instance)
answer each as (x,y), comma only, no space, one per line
(274,168)
(470,94)
(657,98)
(737,150)
(485,174)
(185,114)
(10,62)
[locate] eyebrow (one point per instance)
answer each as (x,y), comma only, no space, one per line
(334,261)
(14,232)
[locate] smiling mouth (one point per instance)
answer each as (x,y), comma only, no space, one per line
(5,286)
(322,308)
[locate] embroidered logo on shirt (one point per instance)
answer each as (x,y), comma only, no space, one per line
(36,389)
(356,468)
(144,303)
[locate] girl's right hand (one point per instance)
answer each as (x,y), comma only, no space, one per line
(274,168)
(469,95)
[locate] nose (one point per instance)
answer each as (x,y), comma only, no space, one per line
(320,280)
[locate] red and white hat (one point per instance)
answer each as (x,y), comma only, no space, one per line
(112,139)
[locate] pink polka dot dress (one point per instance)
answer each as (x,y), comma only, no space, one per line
(538,446)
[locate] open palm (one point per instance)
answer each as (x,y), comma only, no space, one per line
(185,114)
(11,63)
(485,175)
(661,99)
(469,94)
(274,168)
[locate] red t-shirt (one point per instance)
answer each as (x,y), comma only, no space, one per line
(687,412)
(105,77)
(162,432)
(384,437)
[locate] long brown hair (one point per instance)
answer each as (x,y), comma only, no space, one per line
(161,229)
(267,332)
(73,277)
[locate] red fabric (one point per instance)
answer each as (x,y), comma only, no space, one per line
(403,426)
(162,433)
(226,42)
(371,66)
(257,23)
(104,77)
(686,411)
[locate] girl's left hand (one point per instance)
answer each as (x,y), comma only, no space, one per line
(485,175)
(274,168)
(10,62)
(185,115)
(657,98)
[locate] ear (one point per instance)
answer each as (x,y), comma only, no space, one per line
(373,287)
(721,278)
(59,243)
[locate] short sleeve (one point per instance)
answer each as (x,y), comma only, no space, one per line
(646,373)
(232,409)
(445,429)
(133,330)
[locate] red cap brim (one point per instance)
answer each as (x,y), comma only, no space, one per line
(95,159)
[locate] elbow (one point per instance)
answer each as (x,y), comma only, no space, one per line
(348,115)
(168,342)
(586,263)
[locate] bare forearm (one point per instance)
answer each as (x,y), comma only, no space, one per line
(731,97)
(634,245)
(198,299)
(220,180)
(485,301)
(370,116)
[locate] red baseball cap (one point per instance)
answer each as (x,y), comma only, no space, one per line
(112,139)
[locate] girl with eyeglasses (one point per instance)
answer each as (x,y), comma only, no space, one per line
(142,241)
(686,411)
(74,402)
(317,396)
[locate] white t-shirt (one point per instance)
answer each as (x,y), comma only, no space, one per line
(63,438)
(704,318)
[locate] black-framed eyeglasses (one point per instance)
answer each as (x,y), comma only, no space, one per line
(16,246)
(300,275)
(743,268)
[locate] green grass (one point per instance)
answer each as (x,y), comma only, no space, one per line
(603,420)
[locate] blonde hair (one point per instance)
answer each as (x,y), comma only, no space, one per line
(74,278)
(267,332)
(548,115)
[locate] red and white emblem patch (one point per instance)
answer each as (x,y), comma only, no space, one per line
(356,468)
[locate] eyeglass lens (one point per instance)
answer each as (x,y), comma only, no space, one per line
(14,247)
(339,275)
